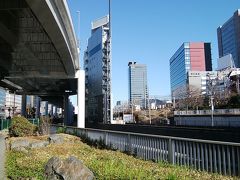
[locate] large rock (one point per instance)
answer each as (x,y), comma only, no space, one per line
(69,169)
(56,139)
(22,149)
(19,143)
(39,144)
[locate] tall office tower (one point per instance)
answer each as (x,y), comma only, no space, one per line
(229,38)
(191,56)
(13,104)
(97,64)
(138,88)
(2,103)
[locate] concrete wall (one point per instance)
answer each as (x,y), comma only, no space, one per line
(227,121)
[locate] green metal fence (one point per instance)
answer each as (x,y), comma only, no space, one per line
(34,121)
(6,123)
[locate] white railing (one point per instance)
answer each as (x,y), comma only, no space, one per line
(212,156)
(209,112)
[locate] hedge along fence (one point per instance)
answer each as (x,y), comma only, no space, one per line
(20,127)
(6,123)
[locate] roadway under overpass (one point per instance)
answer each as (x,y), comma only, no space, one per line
(39,53)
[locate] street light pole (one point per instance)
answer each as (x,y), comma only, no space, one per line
(132,113)
(211,97)
(212,107)
(14,103)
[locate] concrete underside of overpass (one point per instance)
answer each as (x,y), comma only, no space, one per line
(38,53)
(38,49)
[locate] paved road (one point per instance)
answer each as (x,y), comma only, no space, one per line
(2,157)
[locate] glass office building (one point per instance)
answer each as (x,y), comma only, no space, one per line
(138,88)
(97,66)
(191,56)
(2,103)
(229,38)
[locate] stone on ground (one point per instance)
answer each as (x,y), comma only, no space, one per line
(69,169)
(56,139)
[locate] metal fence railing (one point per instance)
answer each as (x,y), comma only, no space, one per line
(34,121)
(4,123)
(212,156)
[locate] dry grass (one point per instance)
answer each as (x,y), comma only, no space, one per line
(105,164)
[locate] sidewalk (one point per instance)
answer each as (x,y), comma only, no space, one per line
(2,157)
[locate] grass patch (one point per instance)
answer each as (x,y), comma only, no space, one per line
(16,168)
(105,164)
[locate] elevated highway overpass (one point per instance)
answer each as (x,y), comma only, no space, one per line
(38,51)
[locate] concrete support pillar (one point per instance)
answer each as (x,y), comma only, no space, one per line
(51,111)
(66,104)
(38,107)
(80,75)
(46,108)
(54,110)
(24,105)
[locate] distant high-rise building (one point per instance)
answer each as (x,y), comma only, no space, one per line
(97,64)
(198,82)
(191,56)
(138,88)
(13,104)
(2,103)
(229,38)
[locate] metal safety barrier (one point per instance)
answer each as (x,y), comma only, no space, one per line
(212,156)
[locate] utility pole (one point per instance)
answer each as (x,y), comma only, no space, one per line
(210,83)
(132,112)
(212,108)
(14,107)
(149,111)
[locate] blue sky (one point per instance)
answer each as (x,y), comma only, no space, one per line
(150,31)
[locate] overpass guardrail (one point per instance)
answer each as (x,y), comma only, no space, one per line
(212,156)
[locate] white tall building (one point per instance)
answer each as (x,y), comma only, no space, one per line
(13,104)
(198,81)
(2,102)
(97,64)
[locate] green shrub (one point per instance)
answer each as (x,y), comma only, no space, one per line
(61,130)
(20,127)
(171,177)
